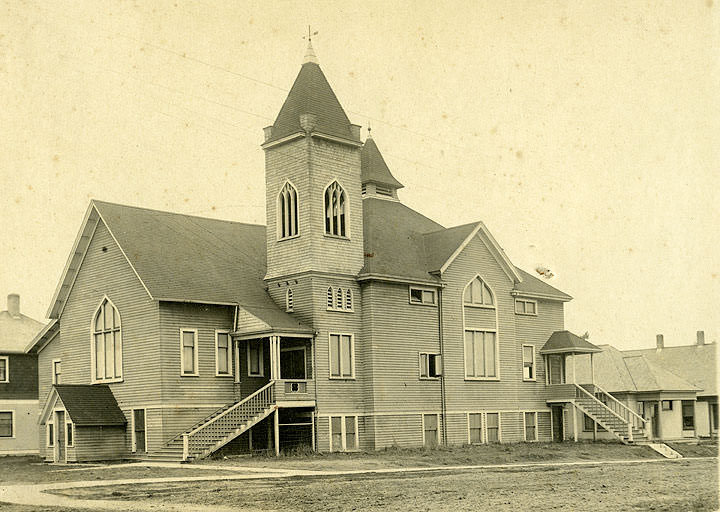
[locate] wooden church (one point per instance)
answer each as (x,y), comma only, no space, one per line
(349,322)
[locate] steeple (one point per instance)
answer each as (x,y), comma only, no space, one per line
(376,177)
(310,56)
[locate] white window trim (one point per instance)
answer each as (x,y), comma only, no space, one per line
(497,355)
(424,289)
(229,354)
(343,293)
(290,349)
(499,427)
(195,372)
(53,377)
(69,423)
(534,364)
(343,432)
(279,237)
(474,304)
(525,426)
(236,358)
(12,417)
(420,366)
(261,362)
(482,427)
(352,356)
(49,439)
(348,214)
(289,294)
(437,423)
(526,301)
(132,429)
(7,369)
(93,369)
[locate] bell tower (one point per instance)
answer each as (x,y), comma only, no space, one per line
(313,182)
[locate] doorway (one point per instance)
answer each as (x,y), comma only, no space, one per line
(139,437)
(655,418)
(60,448)
(557,423)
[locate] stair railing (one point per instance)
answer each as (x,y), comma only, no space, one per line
(258,401)
(581,392)
(630,416)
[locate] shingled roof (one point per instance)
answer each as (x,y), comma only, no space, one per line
(565,342)
(311,94)
(373,166)
(90,405)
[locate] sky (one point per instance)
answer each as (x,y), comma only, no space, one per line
(583,134)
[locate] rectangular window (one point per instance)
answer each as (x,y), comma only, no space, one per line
(528,362)
(255,358)
(293,362)
(525,307)
(430,366)
(4,369)
(667,405)
(688,415)
(188,352)
(56,371)
(69,434)
(430,430)
(343,433)
(493,427)
(475,428)
(556,370)
(223,354)
(7,424)
(530,426)
(342,356)
(480,355)
(50,429)
(422,296)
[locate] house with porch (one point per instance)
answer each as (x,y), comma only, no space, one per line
(348,322)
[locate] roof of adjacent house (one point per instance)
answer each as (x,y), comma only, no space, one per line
(90,405)
(16,332)
(373,166)
(618,371)
(311,94)
(697,364)
(565,342)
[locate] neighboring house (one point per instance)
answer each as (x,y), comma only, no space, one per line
(18,381)
(350,322)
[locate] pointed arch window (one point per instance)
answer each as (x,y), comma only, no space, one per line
(287,212)
(289,300)
(477,293)
(348,299)
(330,298)
(339,299)
(335,210)
(107,344)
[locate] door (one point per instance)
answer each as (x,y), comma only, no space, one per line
(655,418)
(139,430)
(60,449)
(557,423)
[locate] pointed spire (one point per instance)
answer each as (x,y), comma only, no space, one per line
(310,56)
(373,166)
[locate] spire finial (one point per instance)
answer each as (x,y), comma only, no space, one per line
(369,135)
(310,53)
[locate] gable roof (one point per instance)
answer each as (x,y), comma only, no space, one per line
(311,94)
(534,287)
(44,337)
(616,371)
(16,332)
(697,364)
(88,405)
(181,257)
(565,342)
(373,167)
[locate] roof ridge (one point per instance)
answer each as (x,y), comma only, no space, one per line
(412,210)
(453,227)
(166,212)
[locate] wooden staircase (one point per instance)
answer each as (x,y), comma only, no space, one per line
(611,414)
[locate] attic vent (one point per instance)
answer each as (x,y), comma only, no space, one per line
(364,189)
(383,191)
(289,300)
(330,302)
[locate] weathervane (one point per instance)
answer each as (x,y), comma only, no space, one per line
(310,34)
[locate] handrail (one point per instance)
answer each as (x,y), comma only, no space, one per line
(630,411)
(578,386)
(230,409)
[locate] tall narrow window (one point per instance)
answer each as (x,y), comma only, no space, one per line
(430,430)
(4,370)
(330,299)
(338,298)
(255,358)
(688,415)
(348,299)
(342,356)
(493,427)
(287,212)
(56,371)
(223,354)
(107,341)
(480,354)
(528,352)
(335,210)
(477,293)
(289,300)
(188,352)
(475,428)
(530,426)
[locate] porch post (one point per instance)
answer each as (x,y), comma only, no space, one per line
(574,376)
(276,425)
(574,413)
(592,370)
(274,357)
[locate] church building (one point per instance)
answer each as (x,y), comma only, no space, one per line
(348,322)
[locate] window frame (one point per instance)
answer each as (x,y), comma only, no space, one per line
(133,436)
(422,290)
(93,333)
(481,305)
(50,433)
(683,404)
(343,432)
(7,369)
(340,296)
(533,366)
(525,302)
(229,372)
(289,300)
(497,354)
(437,429)
(421,367)
(499,426)
(304,358)
(196,370)
(12,423)
(279,233)
(482,429)
(69,427)
(261,358)
(525,426)
(669,407)
(54,376)
(328,232)
(341,376)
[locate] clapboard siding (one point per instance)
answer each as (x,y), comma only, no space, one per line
(175,421)
(303,298)
(23,382)
(52,350)
(206,387)
(511,426)
(98,443)
(322,433)
(457,428)
(106,272)
(403,431)
(544,426)
(396,332)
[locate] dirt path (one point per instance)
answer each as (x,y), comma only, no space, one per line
(47,495)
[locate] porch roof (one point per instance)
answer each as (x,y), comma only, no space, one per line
(257,321)
(87,405)
(565,342)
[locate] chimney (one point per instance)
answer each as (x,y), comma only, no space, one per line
(13,305)
(701,337)
(660,342)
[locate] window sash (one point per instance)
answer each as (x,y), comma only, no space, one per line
(528,362)
(475,428)
(342,356)
(4,369)
(189,352)
(223,354)
(255,358)
(530,426)
(493,427)
(6,424)
(480,354)
(688,415)
(107,343)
